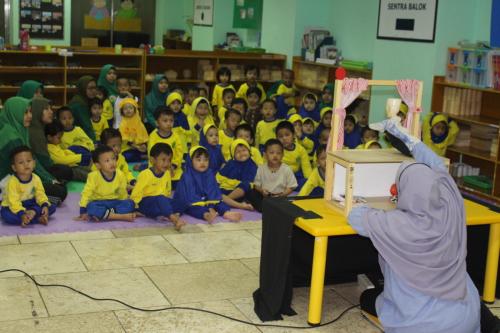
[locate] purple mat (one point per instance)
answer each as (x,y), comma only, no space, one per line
(62,221)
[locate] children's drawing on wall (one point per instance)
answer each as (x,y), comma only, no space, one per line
(127,10)
(99,10)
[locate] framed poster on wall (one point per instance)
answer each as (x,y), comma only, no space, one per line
(44,19)
(247,14)
(410,20)
(203,12)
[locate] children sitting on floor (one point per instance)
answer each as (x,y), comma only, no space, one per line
(295,155)
(286,88)
(104,196)
(223,82)
(153,188)
(267,126)
(113,139)
(240,105)
(24,200)
(79,163)
(308,127)
(253,114)
(227,99)
(134,134)
(226,135)
(245,132)
(274,178)
(369,138)
(107,105)
(251,75)
(202,115)
(352,132)
(181,125)
(326,114)
(237,175)
(197,193)
(309,107)
(99,122)
(74,138)
(209,139)
(439,132)
(164,119)
(301,137)
(315,184)
(124,91)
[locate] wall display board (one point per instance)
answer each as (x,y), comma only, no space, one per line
(43,19)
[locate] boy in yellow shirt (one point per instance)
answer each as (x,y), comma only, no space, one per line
(245,132)
(294,154)
(286,88)
(163,133)
(107,105)
(266,127)
(74,138)
(251,75)
(226,136)
(223,83)
(24,200)
(227,99)
(104,196)
(181,124)
(153,189)
(99,122)
(315,184)
(79,163)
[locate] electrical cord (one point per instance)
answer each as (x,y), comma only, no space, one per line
(176,307)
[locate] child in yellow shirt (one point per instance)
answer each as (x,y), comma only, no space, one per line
(164,118)
(191,94)
(439,132)
(369,138)
(286,88)
(251,75)
(315,184)
(134,134)
(74,138)
(294,154)
(104,196)
(223,83)
(301,137)
(24,200)
(99,122)
(226,136)
(245,132)
(107,105)
(227,99)
(241,106)
(266,127)
(202,115)
(79,163)
(181,124)
(153,189)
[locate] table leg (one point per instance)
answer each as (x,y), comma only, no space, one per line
(317,280)
(490,278)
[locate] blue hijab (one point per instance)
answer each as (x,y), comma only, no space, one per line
(214,152)
(195,186)
(180,120)
(282,107)
(243,171)
(353,139)
(314,114)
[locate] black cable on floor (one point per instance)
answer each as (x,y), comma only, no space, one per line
(176,307)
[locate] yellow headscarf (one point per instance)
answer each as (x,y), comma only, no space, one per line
(310,94)
(369,143)
(238,142)
(324,110)
(439,118)
(174,96)
(132,128)
(295,117)
(193,119)
(310,119)
(193,149)
(403,108)
(207,127)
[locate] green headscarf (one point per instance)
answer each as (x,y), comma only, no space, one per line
(102,82)
(154,99)
(14,134)
(80,107)
(28,89)
(38,141)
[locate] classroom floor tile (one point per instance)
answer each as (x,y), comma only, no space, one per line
(186,321)
(207,281)
(127,252)
(43,258)
(139,232)
(256,232)
(224,226)
(9,240)
(19,299)
(131,286)
(252,263)
(210,246)
(65,236)
(105,322)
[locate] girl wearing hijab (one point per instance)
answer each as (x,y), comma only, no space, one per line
(209,139)
(156,97)
(15,119)
(197,193)
(43,115)
(79,104)
(134,134)
(422,247)
(439,132)
(107,80)
(238,174)
(30,89)
(202,115)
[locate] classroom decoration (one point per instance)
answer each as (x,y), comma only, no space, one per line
(407,20)
(247,14)
(126,17)
(473,65)
(99,10)
(409,91)
(351,89)
(364,176)
(203,12)
(42,19)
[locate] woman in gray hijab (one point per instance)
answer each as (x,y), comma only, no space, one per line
(422,247)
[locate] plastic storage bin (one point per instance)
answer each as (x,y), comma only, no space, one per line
(480,183)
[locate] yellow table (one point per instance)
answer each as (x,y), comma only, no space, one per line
(334,223)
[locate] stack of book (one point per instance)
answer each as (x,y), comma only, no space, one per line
(484,138)
(461,102)
(463,137)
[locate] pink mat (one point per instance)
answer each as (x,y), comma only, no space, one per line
(62,221)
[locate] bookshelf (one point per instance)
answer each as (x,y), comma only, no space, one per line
(479,115)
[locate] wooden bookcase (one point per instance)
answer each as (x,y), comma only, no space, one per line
(489,116)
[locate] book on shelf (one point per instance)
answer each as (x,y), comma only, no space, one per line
(461,102)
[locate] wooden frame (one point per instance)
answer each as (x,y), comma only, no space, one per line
(349,158)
